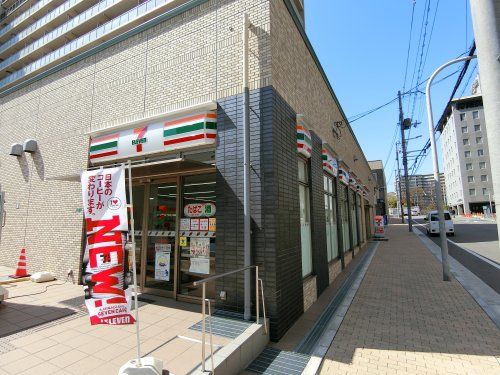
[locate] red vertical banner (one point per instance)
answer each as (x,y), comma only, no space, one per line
(107,296)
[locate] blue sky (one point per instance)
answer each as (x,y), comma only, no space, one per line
(363,46)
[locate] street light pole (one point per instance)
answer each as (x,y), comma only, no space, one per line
(437,182)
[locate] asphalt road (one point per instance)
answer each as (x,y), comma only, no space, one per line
(476,233)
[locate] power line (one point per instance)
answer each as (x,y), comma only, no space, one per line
(409,44)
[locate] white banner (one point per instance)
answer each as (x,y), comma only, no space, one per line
(107,296)
(104,195)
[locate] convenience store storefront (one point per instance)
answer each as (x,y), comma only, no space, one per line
(173,188)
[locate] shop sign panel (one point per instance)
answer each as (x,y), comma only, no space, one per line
(304,139)
(107,296)
(199,210)
(158,137)
(344,176)
(329,162)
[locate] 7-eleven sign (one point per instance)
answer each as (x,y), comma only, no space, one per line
(140,138)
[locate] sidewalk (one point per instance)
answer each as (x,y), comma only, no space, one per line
(405,319)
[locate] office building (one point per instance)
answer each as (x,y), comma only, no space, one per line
(466,160)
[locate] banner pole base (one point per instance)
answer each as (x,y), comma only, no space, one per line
(147,366)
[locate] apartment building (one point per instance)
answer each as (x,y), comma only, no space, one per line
(83,84)
(466,160)
(422,190)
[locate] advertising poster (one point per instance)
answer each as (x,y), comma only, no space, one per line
(212,224)
(185,225)
(203,224)
(107,296)
(195,224)
(162,261)
(199,250)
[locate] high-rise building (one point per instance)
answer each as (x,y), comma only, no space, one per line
(159,83)
(466,160)
(422,190)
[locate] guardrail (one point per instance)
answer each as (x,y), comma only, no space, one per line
(206,301)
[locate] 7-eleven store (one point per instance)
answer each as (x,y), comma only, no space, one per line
(173,177)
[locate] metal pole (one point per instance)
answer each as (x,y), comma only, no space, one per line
(203,333)
(134,266)
(399,186)
(246,174)
(437,182)
(405,162)
(491,206)
(257,312)
(485,19)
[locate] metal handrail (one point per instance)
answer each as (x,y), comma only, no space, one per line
(204,300)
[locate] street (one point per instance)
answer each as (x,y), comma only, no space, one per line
(482,238)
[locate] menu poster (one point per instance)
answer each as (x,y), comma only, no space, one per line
(203,224)
(185,225)
(162,265)
(200,265)
(195,224)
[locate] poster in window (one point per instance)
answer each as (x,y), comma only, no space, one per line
(195,224)
(199,250)
(162,261)
(203,224)
(185,225)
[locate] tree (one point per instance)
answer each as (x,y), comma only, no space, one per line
(392,201)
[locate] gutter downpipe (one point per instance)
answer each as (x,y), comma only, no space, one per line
(246,174)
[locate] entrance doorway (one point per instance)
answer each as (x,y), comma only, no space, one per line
(175,234)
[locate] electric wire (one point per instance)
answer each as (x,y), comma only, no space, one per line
(409,44)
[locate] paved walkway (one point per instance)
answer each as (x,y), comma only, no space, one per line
(47,331)
(405,319)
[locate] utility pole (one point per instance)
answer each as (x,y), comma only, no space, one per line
(485,19)
(400,200)
(405,161)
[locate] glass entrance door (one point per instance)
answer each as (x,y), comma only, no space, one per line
(159,258)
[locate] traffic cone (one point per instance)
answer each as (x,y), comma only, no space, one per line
(21,266)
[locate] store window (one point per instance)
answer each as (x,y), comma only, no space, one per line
(344,214)
(197,231)
(331,218)
(354,225)
(305,218)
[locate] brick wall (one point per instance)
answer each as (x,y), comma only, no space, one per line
(188,59)
(296,77)
(274,205)
(334,269)
(310,289)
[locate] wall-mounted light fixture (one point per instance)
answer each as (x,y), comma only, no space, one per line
(16,149)
(30,146)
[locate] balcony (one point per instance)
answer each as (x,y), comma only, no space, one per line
(26,17)
(75,26)
(49,21)
(115,26)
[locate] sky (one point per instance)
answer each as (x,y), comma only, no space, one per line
(363,48)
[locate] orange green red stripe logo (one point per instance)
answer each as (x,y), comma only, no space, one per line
(190,131)
(104,146)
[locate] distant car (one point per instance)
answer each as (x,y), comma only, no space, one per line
(432,225)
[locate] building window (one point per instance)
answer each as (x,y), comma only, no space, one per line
(484,178)
(485,191)
(464,129)
(470,178)
(472,191)
(462,117)
(332,246)
(479,140)
(482,165)
(477,127)
(305,218)
(467,154)
(468,166)
(475,114)
(480,152)
(466,141)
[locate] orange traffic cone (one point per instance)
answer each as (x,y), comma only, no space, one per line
(21,266)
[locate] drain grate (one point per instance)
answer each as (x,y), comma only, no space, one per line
(273,361)
(224,326)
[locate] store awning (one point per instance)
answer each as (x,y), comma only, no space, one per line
(329,162)
(304,140)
